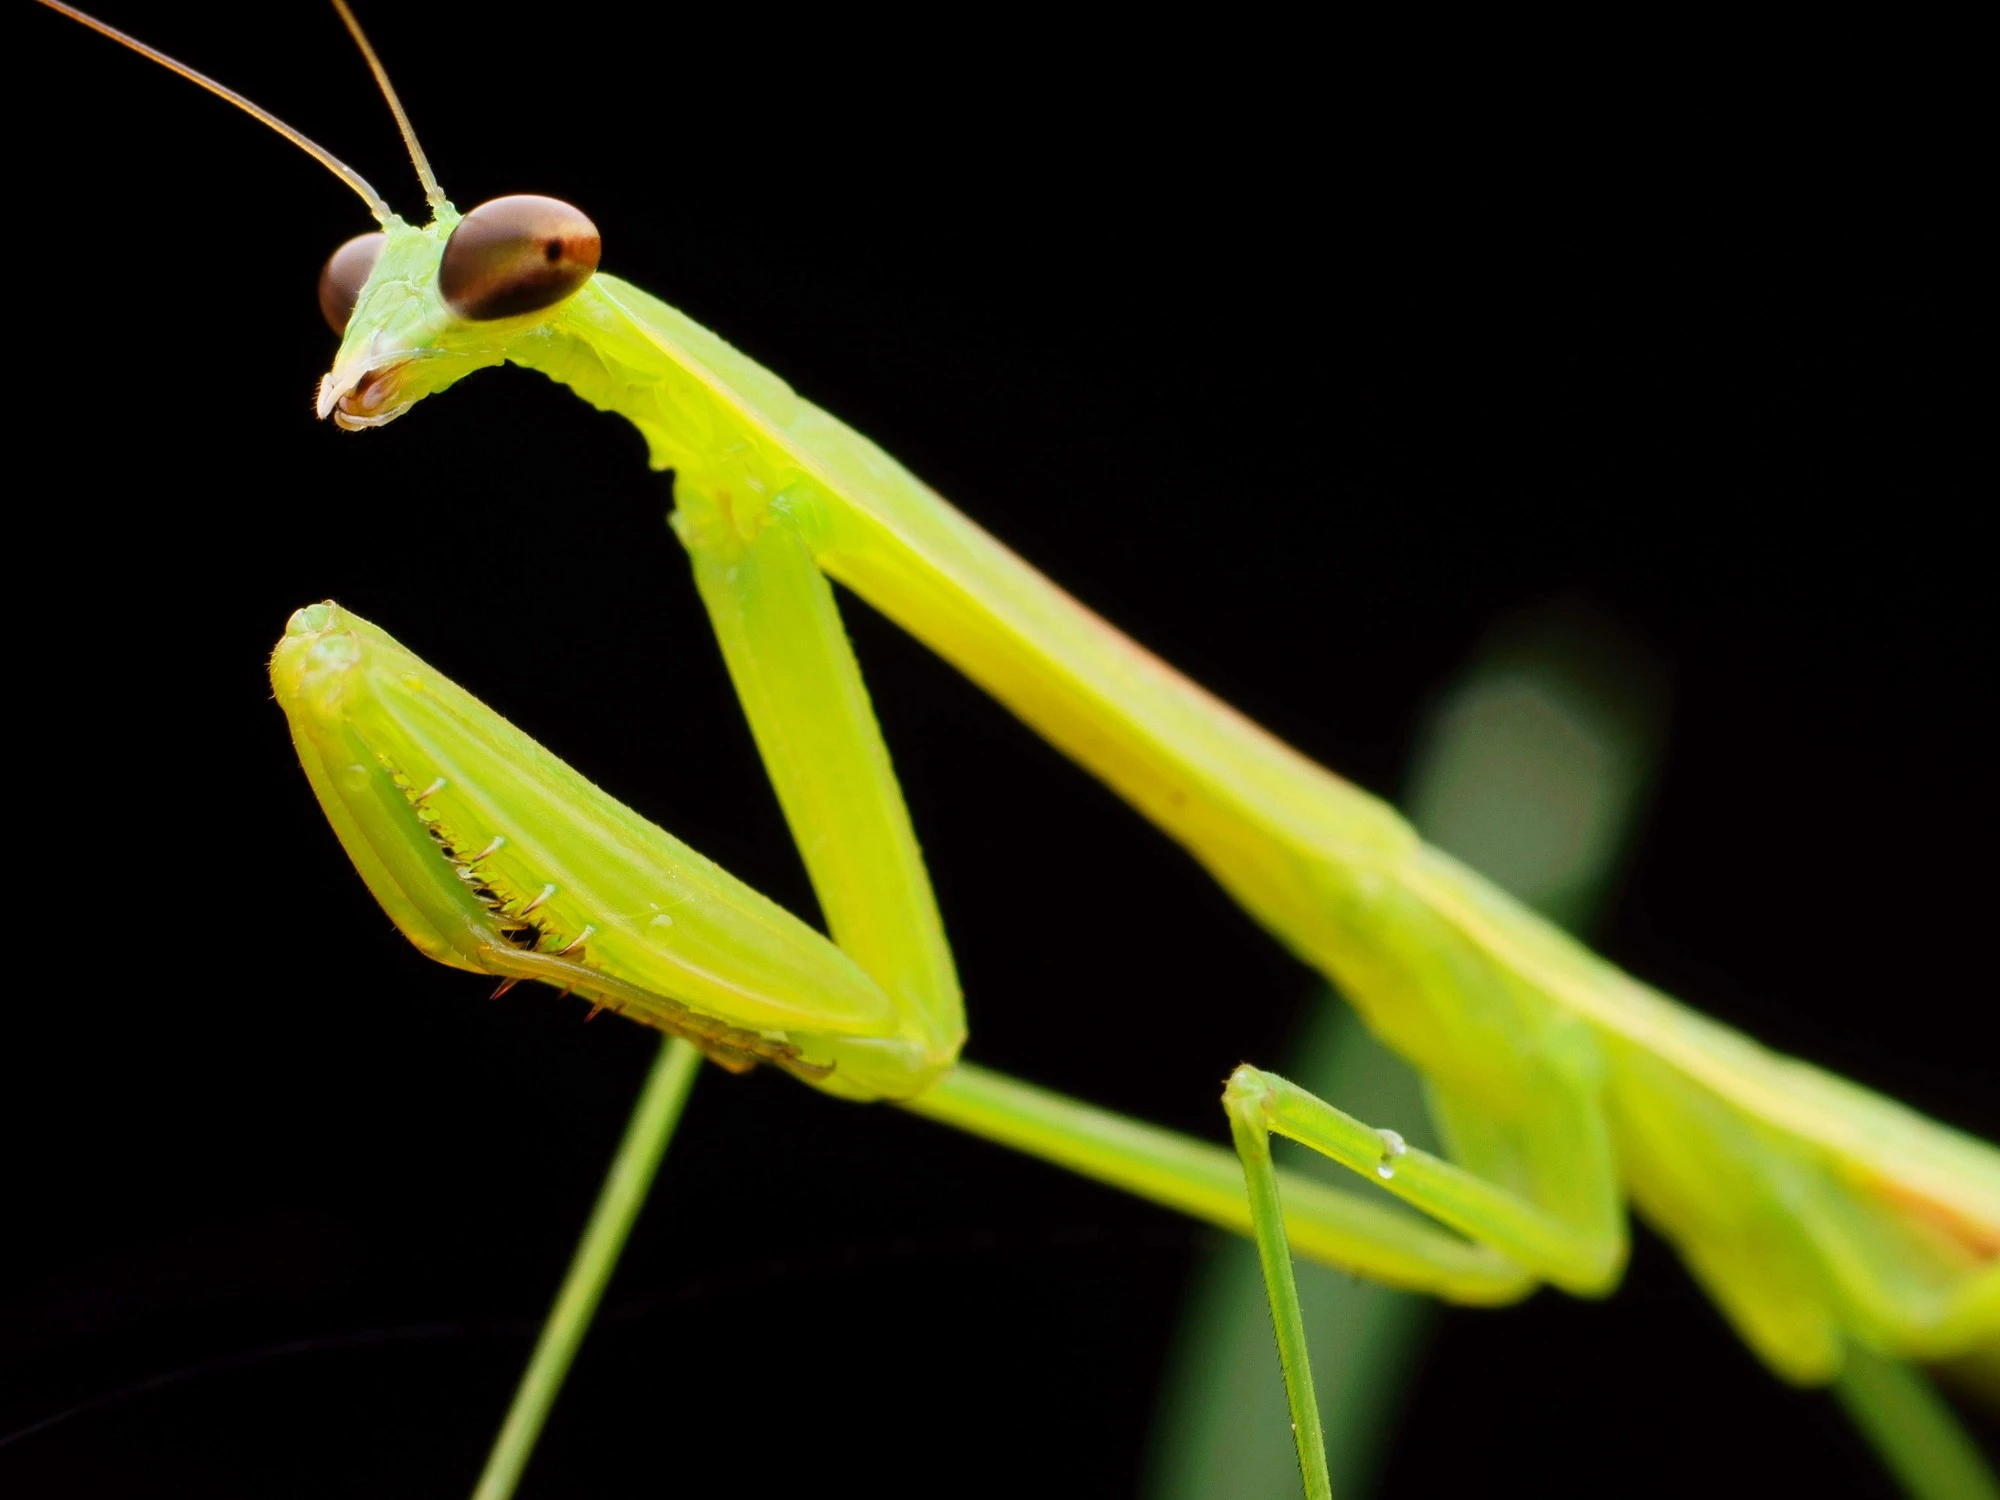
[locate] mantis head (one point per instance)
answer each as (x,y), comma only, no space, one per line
(418,309)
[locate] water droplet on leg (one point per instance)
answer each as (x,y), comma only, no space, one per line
(1392,1147)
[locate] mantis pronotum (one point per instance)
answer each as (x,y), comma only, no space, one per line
(468,674)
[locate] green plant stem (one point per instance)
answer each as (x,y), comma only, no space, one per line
(618,1201)
(1913,1430)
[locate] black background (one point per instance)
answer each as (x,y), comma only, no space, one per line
(1303,391)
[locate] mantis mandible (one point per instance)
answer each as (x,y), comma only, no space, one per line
(771,493)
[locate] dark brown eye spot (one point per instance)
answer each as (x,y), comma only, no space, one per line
(516,255)
(343,276)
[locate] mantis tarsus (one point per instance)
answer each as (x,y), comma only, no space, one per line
(469,675)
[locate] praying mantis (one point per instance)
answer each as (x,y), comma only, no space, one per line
(1225,759)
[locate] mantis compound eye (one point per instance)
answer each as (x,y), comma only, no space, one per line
(345,273)
(516,255)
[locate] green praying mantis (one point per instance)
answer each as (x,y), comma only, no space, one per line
(1838,1231)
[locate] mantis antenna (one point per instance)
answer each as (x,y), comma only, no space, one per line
(433,194)
(376,205)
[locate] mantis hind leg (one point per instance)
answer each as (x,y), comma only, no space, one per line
(1340,1229)
(1252,1134)
(1575,1253)
(1583,1250)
